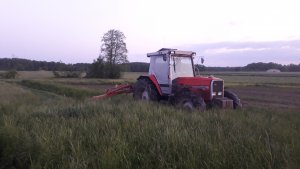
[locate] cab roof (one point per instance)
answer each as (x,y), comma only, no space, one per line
(176,52)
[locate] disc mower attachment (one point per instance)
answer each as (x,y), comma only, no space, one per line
(120,89)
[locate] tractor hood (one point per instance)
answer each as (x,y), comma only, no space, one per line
(209,87)
(195,81)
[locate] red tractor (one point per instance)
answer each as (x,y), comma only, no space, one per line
(172,78)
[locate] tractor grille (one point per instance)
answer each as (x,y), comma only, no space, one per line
(217,89)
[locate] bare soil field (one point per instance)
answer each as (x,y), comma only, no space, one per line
(268,97)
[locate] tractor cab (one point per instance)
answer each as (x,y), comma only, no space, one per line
(169,64)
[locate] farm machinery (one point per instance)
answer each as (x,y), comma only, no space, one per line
(172,79)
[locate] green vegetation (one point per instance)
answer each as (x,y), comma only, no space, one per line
(40,128)
(102,69)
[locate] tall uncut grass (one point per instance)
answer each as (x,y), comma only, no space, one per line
(122,133)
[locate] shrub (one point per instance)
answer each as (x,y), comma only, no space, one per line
(102,69)
(12,74)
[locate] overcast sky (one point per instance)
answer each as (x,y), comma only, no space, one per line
(225,32)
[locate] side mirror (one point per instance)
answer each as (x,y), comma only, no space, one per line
(202,59)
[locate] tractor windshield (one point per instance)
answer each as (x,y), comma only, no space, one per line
(181,67)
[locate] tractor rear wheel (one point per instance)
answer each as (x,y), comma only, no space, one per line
(145,90)
(236,101)
(187,105)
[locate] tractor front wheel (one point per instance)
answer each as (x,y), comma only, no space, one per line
(187,104)
(236,101)
(190,104)
(145,90)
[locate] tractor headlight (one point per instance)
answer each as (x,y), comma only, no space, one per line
(217,88)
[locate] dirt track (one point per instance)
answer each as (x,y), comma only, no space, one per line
(269,97)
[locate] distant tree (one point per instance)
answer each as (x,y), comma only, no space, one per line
(113,49)
(113,54)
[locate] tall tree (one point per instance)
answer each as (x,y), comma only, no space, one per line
(113,48)
(113,54)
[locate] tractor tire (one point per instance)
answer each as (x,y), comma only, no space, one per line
(144,89)
(200,103)
(236,101)
(186,104)
(191,104)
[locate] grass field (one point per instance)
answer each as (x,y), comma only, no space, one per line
(52,123)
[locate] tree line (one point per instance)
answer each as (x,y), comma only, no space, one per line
(33,65)
(260,66)
(266,66)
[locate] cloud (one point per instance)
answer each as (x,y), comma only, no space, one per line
(232,50)
(243,53)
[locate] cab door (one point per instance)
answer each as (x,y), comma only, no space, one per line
(159,66)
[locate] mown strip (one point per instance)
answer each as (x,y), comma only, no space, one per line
(57,89)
